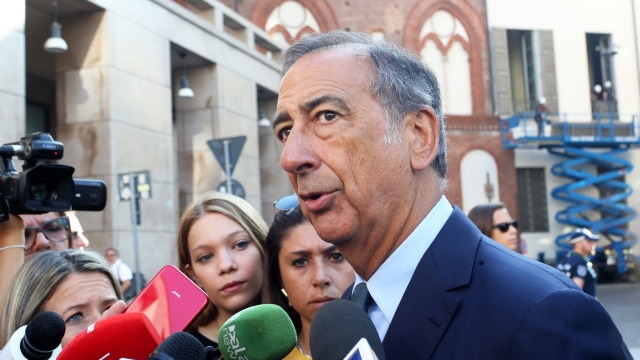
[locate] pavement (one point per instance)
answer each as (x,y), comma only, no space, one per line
(622,301)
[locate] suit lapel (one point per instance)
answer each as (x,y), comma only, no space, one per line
(423,315)
(426,308)
(346,295)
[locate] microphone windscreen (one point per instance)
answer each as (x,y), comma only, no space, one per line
(337,327)
(181,346)
(129,335)
(45,331)
(259,332)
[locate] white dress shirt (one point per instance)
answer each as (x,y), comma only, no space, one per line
(121,270)
(390,281)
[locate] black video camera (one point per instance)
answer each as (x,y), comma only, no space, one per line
(43,188)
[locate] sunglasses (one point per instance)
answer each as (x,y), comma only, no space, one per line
(285,204)
(504,226)
(55,231)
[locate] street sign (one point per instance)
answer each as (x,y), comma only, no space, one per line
(125,183)
(236,187)
(135,186)
(234,146)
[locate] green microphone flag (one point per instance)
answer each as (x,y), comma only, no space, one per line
(261,332)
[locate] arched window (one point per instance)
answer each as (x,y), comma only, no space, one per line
(445,47)
(478,179)
(290,21)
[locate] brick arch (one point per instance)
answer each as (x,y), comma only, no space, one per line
(319,8)
(290,40)
(495,153)
(476,31)
(466,141)
(445,49)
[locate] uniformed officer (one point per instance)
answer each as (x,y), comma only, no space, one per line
(576,264)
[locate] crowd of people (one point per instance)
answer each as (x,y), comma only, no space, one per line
(365,150)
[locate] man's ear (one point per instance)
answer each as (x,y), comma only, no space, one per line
(424,129)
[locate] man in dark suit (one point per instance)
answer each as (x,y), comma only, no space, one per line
(365,148)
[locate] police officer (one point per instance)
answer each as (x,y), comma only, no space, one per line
(576,264)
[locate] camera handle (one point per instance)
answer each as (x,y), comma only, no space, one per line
(4,210)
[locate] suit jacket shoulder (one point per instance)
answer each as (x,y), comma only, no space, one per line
(473,298)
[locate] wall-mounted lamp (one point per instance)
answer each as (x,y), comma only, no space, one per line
(263,121)
(55,44)
(185,91)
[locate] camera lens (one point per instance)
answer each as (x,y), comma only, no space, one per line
(39,191)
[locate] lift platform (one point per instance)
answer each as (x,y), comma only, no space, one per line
(593,150)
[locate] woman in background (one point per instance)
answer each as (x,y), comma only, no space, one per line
(494,221)
(303,273)
(221,248)
(76,284)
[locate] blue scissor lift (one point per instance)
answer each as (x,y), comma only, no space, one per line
(592,150)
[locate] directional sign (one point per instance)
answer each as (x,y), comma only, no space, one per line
(234,146)
(238,190)
(125,183)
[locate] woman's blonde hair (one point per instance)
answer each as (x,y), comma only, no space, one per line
(38,279)
(234,208)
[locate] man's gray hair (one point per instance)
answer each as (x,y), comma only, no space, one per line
(401,83)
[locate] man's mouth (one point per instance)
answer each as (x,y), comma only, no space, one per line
(316,201)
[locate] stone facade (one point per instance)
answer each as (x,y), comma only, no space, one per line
(112,100)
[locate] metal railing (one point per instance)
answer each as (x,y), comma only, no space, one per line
(555,129)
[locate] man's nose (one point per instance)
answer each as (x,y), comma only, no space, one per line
(298,153)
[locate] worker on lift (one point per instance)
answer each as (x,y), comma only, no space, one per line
(577,265)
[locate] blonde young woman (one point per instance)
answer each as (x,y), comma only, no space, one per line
(221,248)
(76,284)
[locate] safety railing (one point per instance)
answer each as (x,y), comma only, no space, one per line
(528,129)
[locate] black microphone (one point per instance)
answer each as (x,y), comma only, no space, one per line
(37,340)
(337,327)
(179,346)
(212,353)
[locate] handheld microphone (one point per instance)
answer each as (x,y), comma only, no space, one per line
(129,335)
(38,340)
(362,351)
(339,325)
(179,346)
(260,332)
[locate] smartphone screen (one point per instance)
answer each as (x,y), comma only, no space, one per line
(171,301)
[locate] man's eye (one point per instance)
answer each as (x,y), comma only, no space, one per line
(328,116)
(283,134)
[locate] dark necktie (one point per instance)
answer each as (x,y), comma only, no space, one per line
(361,296)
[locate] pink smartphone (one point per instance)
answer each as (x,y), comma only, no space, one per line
(171,301)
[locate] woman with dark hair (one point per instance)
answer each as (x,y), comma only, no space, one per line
(494,221)
(303,273)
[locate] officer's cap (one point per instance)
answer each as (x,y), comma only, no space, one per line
(580,234)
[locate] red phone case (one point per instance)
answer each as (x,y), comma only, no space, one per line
(171,301)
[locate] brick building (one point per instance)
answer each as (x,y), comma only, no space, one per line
(451,36)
